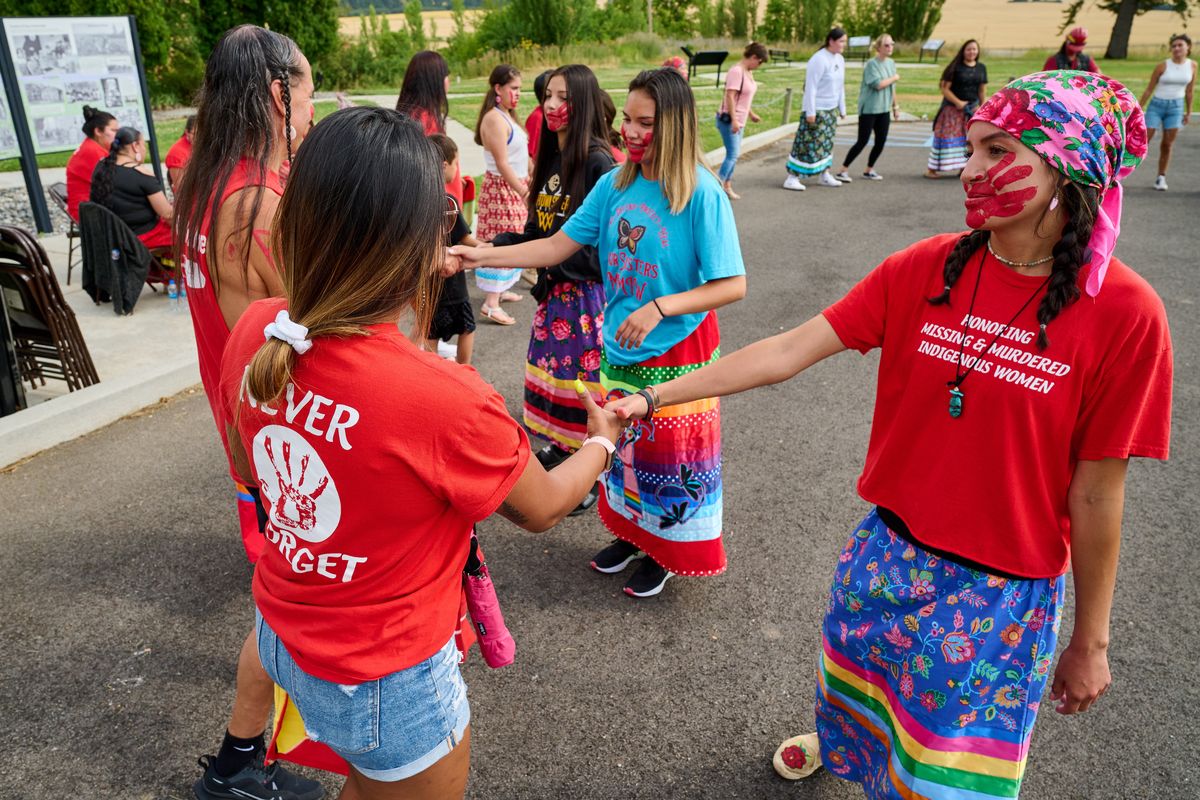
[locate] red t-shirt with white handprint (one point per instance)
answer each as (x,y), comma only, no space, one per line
(373,467)
(991,485)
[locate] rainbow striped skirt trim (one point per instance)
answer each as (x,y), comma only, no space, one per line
(663,493)
(931,673)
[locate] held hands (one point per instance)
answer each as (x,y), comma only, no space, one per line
(637,326)
(1080,678)
(470,257)
(601,421)
(629,408)
(451,266)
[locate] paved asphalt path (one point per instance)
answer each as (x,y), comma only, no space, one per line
(125,592)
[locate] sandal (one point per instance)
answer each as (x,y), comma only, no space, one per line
(798,757)
(510,297)
(497,316)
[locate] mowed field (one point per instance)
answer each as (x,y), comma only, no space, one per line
(997,24)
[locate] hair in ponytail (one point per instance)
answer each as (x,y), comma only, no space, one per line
(102,178)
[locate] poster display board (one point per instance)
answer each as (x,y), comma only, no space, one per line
(9,148)
(65,63)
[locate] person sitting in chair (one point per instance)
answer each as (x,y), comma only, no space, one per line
(137,198)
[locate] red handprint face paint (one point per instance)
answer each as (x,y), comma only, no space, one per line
(637,150)
(557,119)
(985,200)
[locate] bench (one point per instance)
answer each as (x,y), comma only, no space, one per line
(931,46)
(705,58)
(859,46)
(780,55)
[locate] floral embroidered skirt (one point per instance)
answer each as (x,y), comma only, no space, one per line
(663,493)
(565,344)
(501,210)
(949,151)
(812,149)
(931,673)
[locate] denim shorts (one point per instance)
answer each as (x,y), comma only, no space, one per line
(1165,114)
(388,729)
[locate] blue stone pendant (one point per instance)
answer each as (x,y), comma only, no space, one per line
(956,402)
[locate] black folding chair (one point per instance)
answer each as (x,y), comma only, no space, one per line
(58,193)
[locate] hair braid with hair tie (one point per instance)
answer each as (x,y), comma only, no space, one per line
(285,91)
(956,262)
(1071,252)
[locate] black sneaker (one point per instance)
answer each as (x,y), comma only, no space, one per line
(649,579)
(615,557)
(254,782)
(587,502)
(551,457)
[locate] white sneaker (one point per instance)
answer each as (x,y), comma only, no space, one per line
(843,176)
(1160,183)
(829,180)
(793,182)
(872,175)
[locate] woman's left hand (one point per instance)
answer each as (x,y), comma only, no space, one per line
(1080,678)
(637,326)
(755,117)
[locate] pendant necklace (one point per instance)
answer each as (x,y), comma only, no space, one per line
(956,392)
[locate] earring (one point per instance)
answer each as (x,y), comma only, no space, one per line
(1054,201)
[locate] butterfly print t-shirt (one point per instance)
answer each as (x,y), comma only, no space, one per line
(647,252)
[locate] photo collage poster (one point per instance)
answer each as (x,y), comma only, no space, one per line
(9,147)
(65,63)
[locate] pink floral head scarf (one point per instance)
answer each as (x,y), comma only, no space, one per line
(1090,128)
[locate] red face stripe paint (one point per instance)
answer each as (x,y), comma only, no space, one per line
(557,119)
(637,150)
(984,199)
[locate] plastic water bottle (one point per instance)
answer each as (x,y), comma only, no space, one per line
(116,254)
(183,303)
(172,296)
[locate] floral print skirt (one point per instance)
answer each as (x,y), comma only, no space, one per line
(949,150)
(664,494)
(812,148)
(931,673)
(565,344)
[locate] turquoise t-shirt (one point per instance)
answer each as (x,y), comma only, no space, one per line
(648,252)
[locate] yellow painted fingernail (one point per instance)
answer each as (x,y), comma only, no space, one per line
(579,387)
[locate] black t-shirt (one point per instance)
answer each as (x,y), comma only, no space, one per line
(551,210)
(967,80)
(129,198)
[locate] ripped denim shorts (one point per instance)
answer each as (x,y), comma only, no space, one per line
(388,729)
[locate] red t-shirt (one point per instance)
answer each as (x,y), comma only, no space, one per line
(373,466)
(533,127)
(180,152)
(80,167)
(207,320)
(454,187)
(991,485)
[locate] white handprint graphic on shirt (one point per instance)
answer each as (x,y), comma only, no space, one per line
(296,487)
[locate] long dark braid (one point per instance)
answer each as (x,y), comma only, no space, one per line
(285,90)
(102,178)
(956,262)
(1071,252)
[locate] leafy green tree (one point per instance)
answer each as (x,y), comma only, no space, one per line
(911,20)
(312,23)
(1125,11)
(416,29)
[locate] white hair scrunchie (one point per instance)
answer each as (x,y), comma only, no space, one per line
(285,330)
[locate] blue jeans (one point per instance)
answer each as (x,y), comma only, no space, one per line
(733,148)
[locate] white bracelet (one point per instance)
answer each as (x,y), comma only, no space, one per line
(608,446)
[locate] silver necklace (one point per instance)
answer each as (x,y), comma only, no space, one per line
(1006,262)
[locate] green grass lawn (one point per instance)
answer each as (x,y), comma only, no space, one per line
(917,93)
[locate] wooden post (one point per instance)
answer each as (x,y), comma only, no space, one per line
(787,106)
